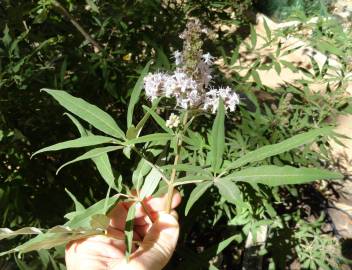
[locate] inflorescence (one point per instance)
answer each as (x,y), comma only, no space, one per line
(189,84)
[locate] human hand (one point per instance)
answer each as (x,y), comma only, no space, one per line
(158,240)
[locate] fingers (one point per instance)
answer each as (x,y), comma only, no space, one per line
(150,205)
(159,243)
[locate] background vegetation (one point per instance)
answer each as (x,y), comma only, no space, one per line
(40,46)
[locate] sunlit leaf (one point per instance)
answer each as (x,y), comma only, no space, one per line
(136,92)
(278,148)
(102,162)
(253,37)
(275,175)
(88,112)
(99,221)
(160,121)
(150,183)
(94,153)
(104,167)
(229,190)
(78,205)
(129,229)
(196,193)
(76,143)
(218,137)
(7,233)
(82,220)
(156,137)
(78,125)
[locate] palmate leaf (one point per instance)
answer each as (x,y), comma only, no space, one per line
(275,175)
(196,193)
(278,148)
(88,112)
(76,143)
(94,153)
(218,137)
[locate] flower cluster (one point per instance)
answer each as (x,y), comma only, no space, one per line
(190,87)
(173,121)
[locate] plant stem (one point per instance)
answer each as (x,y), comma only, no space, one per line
(63,11)
(170,190)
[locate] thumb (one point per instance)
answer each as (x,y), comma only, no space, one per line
(159,243)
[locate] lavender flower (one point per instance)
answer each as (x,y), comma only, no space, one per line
(154,85)
(189,83)
(178,58)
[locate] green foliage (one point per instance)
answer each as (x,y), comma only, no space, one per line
(235,171)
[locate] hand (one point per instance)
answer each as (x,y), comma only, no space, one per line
(157,240)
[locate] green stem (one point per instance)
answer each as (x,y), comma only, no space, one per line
(170,190)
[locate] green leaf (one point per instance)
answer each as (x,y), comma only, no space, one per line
(6,39)
(136,92)
(78,125)
(275,176)
(93,6)
(150,183)
(275,149)
(187,168)
(253,37)
(83,219)
(156,137)
(76,143)
(77,228)
(267,30)
(256,77)
(218,137)
(102,162)
(160,121)
(228,190)
(196,193)
(52,239)
(92,154)
(327,47)
(78,205)
(99,221)
(88,112)
(7,233)
(142,170)
(104,167)
(192,179)
(129,229)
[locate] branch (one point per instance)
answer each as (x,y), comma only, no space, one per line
(64,12)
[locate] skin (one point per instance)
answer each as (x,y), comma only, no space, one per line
(158,239)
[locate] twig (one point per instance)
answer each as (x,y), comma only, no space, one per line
(64,12)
